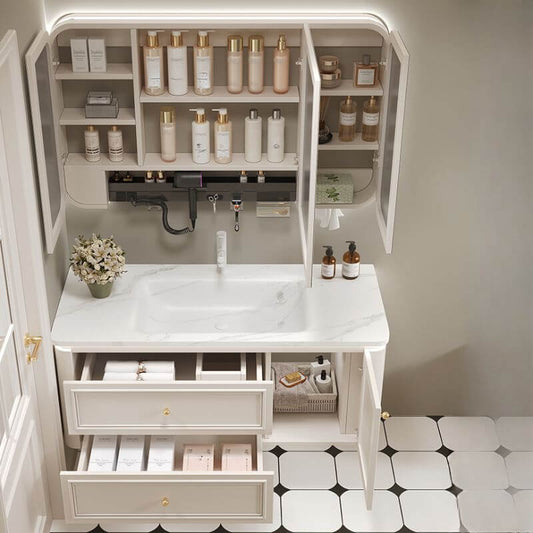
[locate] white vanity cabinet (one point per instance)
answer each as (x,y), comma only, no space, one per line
(59,119)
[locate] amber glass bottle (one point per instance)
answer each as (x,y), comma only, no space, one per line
(347,118)
(350,262)
(370,120)
(329,264)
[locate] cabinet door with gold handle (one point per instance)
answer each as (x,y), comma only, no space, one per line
(166,411)
(165,502)
(36,341)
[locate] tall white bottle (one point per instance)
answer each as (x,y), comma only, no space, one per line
(177,65)
(92,144)
(276,137)
(201,151)
(115,144)
(204,74)
(253,126)
(223,137)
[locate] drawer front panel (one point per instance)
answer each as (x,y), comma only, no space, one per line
(93,409)
(172,496)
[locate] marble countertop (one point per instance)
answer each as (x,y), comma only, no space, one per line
(183,308)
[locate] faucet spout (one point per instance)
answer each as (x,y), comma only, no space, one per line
(222,254)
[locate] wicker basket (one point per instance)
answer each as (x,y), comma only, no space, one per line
(316,403)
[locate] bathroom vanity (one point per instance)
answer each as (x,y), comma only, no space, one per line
(175,313)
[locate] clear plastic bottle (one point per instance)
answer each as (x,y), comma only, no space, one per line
(154,74)
(281,66)
(167,125)
(370,128)
(347,119)
(234,64)
(256,64)
(203,65)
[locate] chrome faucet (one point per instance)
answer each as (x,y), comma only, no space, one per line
(222,254)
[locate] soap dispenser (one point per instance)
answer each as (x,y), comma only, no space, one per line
(223,150)
(323,383)
(329,264)
(320,365)
(201,150)
(351,261)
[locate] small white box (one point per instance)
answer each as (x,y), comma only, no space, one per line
(97,55)
(161,455)
(198,457)
(131,454)
(103,454)
(237,457)
(80,58)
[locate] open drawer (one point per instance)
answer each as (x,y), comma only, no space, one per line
(185,406)
(188,496)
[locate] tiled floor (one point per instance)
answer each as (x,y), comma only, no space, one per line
(434,474)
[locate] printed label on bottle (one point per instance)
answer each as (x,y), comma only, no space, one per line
(347,119)
(370,119)
(199,147)
(223,144)
(177,70)
(365,76)
(350,270)
(327,271)
(203,72)
(153,72)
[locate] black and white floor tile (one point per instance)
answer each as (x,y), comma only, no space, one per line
(434,474)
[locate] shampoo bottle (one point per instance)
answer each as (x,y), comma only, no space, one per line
(276,137)
(201,150)
(92,144)
(115,144)
(281,66)
(350,262)
(234,64)
(370,120)
(223,137)
(167,124)
(177,65)
(153,65)
(253,127)
(347,119)
(329,264)
(256,64)
(203,65)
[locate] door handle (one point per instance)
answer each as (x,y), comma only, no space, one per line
(36,341)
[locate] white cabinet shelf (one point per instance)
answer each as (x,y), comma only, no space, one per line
(346,88)
(75,116)
(356,144)
(115,71)
(221,95)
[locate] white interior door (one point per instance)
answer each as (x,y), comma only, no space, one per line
(369,424)
(391,137)
(23,496)
(309,110)
(44,104)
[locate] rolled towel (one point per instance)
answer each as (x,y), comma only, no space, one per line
(121,366)
(157,367)
(156,376)
(120,376)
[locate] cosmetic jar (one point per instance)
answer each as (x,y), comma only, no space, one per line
(329,80)
(328,63)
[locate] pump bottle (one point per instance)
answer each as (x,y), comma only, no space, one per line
(329,263)
(223,137)
(153,65)
(177,65)
(201,151)
(351,261)
(203,65)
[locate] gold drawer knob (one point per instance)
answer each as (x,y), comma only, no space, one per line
(166,411)
(165,502)
(385,415)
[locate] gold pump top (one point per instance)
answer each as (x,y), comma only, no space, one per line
(114,128)
(200,114)
(234,43)
(176,39)
(166,115)
(202,39)
(222,115)
(255,43)
(282,42)
(152,40)
(91,128)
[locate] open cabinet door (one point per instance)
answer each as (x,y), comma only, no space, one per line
(308,148)
(369,424)
(49,161)
(391,137)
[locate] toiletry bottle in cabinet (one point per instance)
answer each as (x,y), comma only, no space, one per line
(234,64)
(203,65)
(153,65)
(223,137)
(201,150)
(323,383)
(177,65)
(365,73)
(329,263)
(115,144)
(351,261)
(256,64)
(320,365)
(276,137)
(253,127)
(92,144)
(167,122)
(281,66)
(370,126)
(347,119)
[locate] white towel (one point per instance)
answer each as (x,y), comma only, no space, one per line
(329,218)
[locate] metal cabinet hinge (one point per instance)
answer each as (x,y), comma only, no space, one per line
(36,341)
(299,62)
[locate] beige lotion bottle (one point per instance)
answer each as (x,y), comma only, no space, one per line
(256,64)
(347,119)
(153,65)
(167,123)
(203,65)
(92,144)
(329,263)
(201,151)
(115,144)
(234,64)
(370,120)
(177,64)
(223,137)
(281,66)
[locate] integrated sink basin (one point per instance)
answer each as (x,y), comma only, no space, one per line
(237,299)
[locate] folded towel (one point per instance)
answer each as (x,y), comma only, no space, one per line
(329,218)
(292,397)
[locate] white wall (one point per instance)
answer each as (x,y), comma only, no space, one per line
(457,287)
